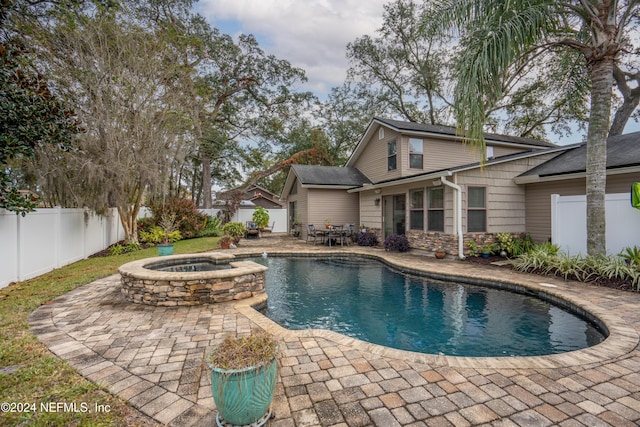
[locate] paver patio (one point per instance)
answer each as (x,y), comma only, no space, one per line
(154,358)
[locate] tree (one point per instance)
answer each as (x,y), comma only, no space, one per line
(30,116)
(124,81)
(408,68)
(242,93)
(497,33)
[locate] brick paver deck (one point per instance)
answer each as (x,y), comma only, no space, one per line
(154,358)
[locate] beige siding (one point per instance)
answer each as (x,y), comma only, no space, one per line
(373,160)
(505,199)
(505,151)
(370,214)
(538,199)
(337,205)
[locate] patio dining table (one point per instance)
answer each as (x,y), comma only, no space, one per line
(334,233)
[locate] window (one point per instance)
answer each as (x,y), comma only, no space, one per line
(489,152)
(415,153)
(294,187)
(416,209)
(476,209)
(381,133)
(391,155)
(435,206)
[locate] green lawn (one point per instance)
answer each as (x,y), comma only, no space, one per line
(30,375)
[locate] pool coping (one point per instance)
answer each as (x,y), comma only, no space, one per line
(621,340)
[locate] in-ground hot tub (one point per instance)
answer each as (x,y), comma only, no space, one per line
(179,280)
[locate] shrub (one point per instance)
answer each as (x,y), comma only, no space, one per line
(366,239)
(189,220)
(156,235)
(396,242)
(235,230)
(212,227)
(119,249)
(545,259)
(631,255)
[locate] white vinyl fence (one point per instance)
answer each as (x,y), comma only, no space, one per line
(278,217)
(569,223)
(52,238)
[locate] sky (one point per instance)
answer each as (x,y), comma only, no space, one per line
(310,34)
(313,35)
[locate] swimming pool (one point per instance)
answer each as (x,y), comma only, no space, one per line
(367,300)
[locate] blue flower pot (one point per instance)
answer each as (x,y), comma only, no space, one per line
(164,250)
(243,396)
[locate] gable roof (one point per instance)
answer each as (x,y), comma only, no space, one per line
(426,176)
(447,132)
(330,176)
(623,151)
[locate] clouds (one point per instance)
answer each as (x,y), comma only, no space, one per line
(311,34)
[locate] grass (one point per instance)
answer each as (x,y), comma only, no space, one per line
(30,375)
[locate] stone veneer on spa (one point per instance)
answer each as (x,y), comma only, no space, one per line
(145,286)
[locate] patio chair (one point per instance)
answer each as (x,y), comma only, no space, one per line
(348,233)
(312,232)
(252,230)
(336,233)
(269,229)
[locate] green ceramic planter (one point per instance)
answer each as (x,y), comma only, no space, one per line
(164,250)
(243,396)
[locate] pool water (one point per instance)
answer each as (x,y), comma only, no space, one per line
(365,299)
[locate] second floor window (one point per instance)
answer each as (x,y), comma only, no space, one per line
(415,153)
(392,156)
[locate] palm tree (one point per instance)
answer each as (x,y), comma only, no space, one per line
(496,34)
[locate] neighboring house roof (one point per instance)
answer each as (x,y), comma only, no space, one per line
(223,203)
(329,176)
(623,152)
(449,132)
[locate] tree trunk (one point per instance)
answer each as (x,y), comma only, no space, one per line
(601,75)
(206,180)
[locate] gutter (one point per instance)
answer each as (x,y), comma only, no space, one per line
(458,213)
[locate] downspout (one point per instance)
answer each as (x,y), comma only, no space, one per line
(458,209)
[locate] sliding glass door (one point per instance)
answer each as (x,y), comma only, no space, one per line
(394,214)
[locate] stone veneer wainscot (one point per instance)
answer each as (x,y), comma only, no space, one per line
(144,286)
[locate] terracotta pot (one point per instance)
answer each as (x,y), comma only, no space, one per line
(440,253)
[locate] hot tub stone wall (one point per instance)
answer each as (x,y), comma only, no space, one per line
(192,292)
(144,286)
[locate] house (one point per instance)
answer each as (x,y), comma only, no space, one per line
(260,196)
(425,182)
(565,175)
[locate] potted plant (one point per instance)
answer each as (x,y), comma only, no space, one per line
(261,218)
(170,234)
(440,253)
(243,379)
(327,222)
(234,230)
(487,249)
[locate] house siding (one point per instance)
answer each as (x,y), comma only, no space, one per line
(338,205)
(505,200)
(373,160)
(538,199)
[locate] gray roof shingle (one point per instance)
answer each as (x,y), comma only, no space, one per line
(622,150)
(449,130)
(330,175)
